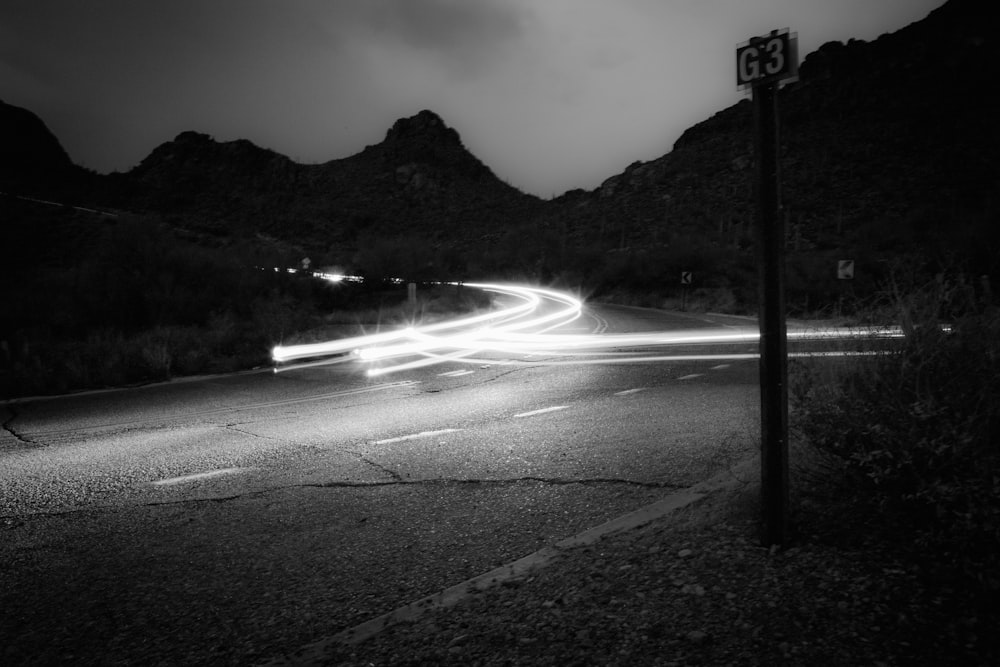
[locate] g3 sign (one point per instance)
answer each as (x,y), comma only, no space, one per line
(767,59)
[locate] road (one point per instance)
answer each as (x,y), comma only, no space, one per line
(227,520)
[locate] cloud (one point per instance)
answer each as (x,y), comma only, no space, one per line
(550,94)
(464,37)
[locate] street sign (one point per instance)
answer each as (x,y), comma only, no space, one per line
(845,269)
(761,65)
(685,277)
(769,59)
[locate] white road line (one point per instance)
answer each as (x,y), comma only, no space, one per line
(690,377)
(455,374)
(196,476)
(720,367)
(416,436)
(543,410)
(630,391)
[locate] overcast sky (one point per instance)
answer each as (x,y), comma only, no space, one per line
(550,94)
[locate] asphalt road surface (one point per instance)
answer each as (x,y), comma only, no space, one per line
(228,520)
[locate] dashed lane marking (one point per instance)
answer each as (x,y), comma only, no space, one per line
(198,476)
(417,436)
(542,411)
(630,391)
(455,374)
(690,377)
(720,367)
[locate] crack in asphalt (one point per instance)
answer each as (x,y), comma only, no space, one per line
(396,479)
(235,428)
(440,481)
(20,437)
(437,481)
(472,382)
(16,520)
(556,481)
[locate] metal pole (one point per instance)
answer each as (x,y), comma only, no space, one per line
(773,341)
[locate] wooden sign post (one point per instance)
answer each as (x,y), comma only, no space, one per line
(762,64)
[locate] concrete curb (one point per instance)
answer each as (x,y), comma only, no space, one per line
(315,652)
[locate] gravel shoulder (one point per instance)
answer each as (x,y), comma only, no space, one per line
(695,588)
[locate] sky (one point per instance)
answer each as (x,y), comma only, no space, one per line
(550,94)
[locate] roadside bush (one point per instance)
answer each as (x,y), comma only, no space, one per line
(142,306)
(907,441)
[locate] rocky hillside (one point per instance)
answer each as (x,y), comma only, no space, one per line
(888,147)
(888,154)
(420,180)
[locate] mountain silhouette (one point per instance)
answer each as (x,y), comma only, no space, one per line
(875,136)
(32,159)
(888,155)
(888,148)
(419,180)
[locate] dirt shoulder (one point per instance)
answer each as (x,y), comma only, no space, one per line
(696,588)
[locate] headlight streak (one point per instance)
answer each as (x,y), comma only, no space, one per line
(356,343)
(519,330)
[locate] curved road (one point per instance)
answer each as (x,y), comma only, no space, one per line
(231,519)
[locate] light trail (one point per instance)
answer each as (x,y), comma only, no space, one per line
(358,344)
(526,328)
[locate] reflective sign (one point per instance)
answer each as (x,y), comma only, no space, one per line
(767,59)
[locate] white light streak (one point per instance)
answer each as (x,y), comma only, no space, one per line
(529,328)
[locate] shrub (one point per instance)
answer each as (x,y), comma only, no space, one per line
(908,440)
(142,305)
